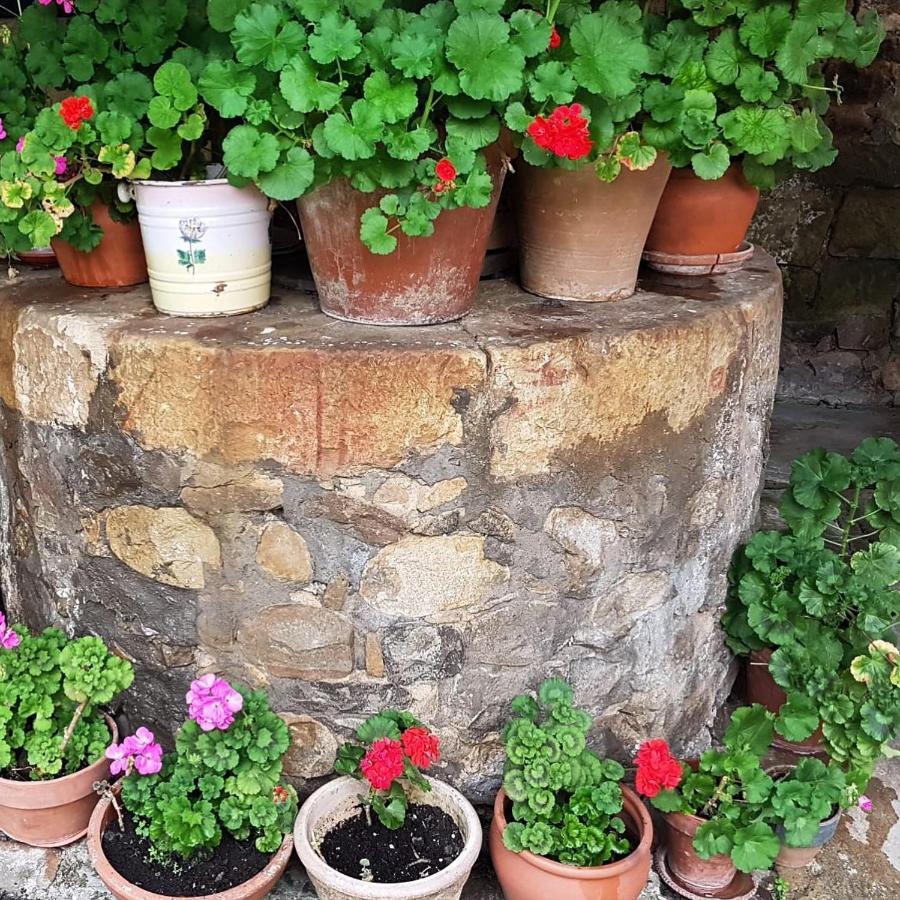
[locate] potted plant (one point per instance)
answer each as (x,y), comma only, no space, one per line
(738,105)
(385,830)
(53,732)
(589,184)
(563,824)
(211,819)
(716,809)
(813,606)
(806,804)
(381,120)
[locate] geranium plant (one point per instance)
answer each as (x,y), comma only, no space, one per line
(728,788)
(52,691)
(743,80)
(224,776)
(822,596)
(395,749)
(807,796)
(399,101)
(566,800)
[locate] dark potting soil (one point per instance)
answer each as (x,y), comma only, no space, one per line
(428,842)
(230,864)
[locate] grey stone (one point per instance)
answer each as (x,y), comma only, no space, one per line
(414,653)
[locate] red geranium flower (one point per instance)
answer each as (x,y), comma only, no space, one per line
(383,763)
(445,171)
(75,110)
(565,133)
(657,769)
(555,39)
(421,746)
(280,796)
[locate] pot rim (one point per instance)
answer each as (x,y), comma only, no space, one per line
(203,182)
(639,814)
(95,831)
(424,887)
(68,779)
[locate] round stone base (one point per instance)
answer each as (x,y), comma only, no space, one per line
(433,519)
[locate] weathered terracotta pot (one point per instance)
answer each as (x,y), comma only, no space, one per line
(44,258)
(52,813)
(581,238)
(340,798)
(704,876)
(259,886)
(761,688)
(425,281)
(701,218)
(117,262)
(524,876)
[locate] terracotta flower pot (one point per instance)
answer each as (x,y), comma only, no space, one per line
(703,876)
(581,238)
(52,813)
(335,801)
(761,688)
(259,886)
(524,876)
(425,281)
(702,218)
(117,262)
(44,258)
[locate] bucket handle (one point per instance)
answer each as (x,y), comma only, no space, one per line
(125,191)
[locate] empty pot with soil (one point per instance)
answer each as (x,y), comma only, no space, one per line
(349,854)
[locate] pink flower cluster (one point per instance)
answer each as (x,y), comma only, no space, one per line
(2,131)
(139,751)
(67,5)
(9,640)
(213,702)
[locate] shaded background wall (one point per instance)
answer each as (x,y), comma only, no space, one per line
(837,236)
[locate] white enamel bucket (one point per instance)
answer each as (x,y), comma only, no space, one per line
(207,246)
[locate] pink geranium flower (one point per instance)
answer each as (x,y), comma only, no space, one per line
(2,131)
(9,640)
(67,5)
(865,804)
(61,165)
(139,751)
(213,703)
(20,144)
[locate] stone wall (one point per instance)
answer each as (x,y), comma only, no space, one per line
(434,519)
(837,235)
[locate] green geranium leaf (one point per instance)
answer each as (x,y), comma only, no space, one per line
(226,86)
(756,130)
(335,38)
(553,81)
(393,102)
(531,32)
(374,234)
(291,177)
(713,163)
(764,30)
(167,154)
(248,151)
(38,226)
(354,138)
(610,52)
(303,90)
(797,719)
(173,81)
(755,847)
(162,114)
(129,94)
(262,37)
(490,67)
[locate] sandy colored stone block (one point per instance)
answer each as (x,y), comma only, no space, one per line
(217,489)
(313,747)
(282,553)
(425,577)
(299,641)
(167,544)
(582,534)
(374,656)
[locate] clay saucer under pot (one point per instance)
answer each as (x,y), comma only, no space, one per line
(742,886)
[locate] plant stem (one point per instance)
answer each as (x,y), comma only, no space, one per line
(716,798)
(70,729)
(854,506)
(428,105)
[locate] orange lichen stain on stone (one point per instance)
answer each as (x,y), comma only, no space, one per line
(317,411)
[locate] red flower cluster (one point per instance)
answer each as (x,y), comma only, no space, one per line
(421,746)
(446,174)
(565,133)
(383,763)
(657,769)
(280,795)
(75,110)
(555,39)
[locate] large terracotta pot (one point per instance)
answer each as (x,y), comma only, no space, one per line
(761,688)
(117,262)
(524,876)
(52,813)
(340,798)
(704,876)
(425,281)
(259,886)
(581,238)
(702,218)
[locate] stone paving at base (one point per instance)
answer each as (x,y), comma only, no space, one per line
(862,863)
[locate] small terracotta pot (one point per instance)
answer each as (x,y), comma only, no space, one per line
(703,218)
(581,238)
(52,813)
(761,688)
(524,876)
(425,281)
(43,258)
(259,886)
(704,876)
(117,262)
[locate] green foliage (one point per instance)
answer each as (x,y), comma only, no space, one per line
(48,683)
(215,782)
(732,792)
(808,796)
(566,800)
(822,595)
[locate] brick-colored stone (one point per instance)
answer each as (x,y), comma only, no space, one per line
(168,544)
(282,553)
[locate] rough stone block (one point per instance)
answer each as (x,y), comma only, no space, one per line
(868,225)
(282,553)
